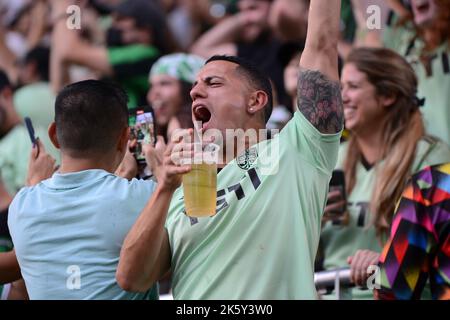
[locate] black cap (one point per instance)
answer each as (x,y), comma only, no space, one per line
(4,81)
(146,13)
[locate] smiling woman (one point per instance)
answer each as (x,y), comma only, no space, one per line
(387,144)
(379,88)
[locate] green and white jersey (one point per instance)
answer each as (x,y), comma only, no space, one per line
(15,149)
(433,77)
(341,241)
(262,242)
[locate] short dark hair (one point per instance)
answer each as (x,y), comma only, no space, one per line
(4,83)
(41,56)
(149,15)
(90,116)
(256,78)
(4,80)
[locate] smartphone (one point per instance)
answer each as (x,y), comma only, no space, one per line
(30,129)
(337,182)
(142,129)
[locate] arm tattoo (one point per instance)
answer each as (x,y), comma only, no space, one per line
(319,99)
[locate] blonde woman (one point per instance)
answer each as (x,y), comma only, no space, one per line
(387,144)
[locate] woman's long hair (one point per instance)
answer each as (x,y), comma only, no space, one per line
(440,27)
(402,128)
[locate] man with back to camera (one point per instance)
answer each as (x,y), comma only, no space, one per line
(68,230)
(262,241)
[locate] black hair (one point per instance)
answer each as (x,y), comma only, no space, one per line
(41,56)
(3,129)
(256,78)
(4,83)
(4,80)
(185,92)
(288,51)
(89,116)
(150,15)
(100,7)
(184,114)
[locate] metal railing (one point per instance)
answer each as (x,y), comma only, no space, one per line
(336,279)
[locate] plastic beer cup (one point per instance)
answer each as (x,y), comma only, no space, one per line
(200,184)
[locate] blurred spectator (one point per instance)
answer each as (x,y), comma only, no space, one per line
(14,140)
(387,144)
(35,98)
(425,42)
(137,36)
(22,26)
(16,19)
(248,35)
(280,115)
(5,197)
(11,285)
(419,243)
(289,19)
(188,19)
(171,79)
(5,238)
(181,120)
(34,67)
(68,230)
(291,75)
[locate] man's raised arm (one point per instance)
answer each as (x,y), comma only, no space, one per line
(319,96)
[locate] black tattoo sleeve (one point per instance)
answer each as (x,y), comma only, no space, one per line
(319,99)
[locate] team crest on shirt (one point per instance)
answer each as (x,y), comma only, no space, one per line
(245,160)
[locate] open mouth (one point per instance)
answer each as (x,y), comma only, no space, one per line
(422,6)
(349,111)
(202,114)
(158,105)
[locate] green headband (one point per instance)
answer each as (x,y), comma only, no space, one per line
(178,65)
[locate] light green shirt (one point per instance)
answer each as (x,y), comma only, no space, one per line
(36,101)
(262,242)
(342,241)
(433,77)
(15,150)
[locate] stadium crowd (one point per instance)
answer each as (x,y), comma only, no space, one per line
(353,96)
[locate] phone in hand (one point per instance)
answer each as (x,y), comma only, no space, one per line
(142,130)
(30,129)
(337,182)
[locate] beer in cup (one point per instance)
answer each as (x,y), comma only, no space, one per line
(200,184)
